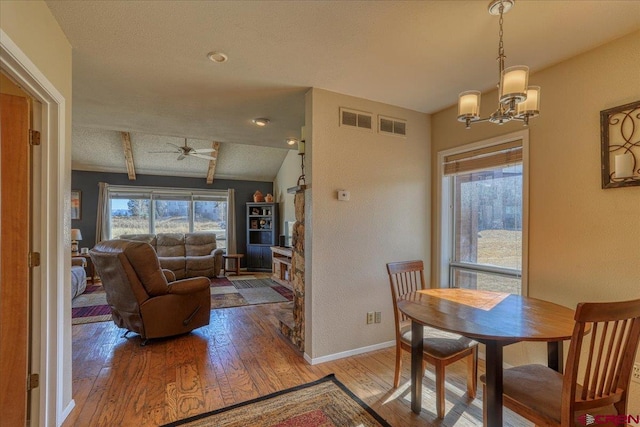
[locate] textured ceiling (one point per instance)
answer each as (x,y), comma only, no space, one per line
(101,150)
(141,66)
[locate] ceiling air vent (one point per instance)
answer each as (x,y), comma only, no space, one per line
(391,126)
(354,118)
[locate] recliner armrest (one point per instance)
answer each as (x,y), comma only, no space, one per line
(189,286)
(169,275)
(218,251)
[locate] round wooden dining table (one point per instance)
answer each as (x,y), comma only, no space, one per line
(494,319)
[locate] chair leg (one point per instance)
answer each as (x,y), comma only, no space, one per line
(396,377)
(440,399)
(484,404)
(472,373)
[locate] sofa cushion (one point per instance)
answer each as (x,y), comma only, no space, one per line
(170,245)
(78,280)
(199,244)
(147,238)
(176,264)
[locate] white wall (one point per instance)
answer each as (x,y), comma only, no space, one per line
(387,219)
(287,177)
(583,241)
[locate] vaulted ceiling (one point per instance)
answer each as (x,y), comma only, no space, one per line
(142,66)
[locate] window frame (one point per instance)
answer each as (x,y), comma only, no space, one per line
(443,265)
(154,194)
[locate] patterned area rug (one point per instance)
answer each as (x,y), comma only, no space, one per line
(323,403)
(235,291)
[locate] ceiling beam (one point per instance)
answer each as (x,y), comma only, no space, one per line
(212,163)
(128,155)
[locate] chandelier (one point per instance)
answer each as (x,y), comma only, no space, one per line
(517,101)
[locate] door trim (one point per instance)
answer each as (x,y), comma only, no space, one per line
(53,402)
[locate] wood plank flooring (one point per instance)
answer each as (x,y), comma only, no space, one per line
(239,356)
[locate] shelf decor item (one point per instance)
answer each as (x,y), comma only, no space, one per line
(620,146)
(258,197)
(268,198)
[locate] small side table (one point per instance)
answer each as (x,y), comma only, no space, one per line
(90,267)
(236,259)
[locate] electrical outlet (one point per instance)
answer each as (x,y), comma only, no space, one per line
(378,317)
(370,317)
(635,375)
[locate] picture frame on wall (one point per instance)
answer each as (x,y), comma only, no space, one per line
(620,146)
(76,204)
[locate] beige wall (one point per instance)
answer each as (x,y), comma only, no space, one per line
(387,219)
(583,241)
(34,30)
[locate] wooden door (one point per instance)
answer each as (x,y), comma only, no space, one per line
(14,249)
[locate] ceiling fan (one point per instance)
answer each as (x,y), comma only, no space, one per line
(186,151)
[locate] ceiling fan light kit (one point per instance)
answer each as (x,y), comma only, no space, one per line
(516,99)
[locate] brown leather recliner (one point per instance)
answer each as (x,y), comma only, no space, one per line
(143,297)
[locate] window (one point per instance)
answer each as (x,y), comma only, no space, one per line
(136,210)
(482,216)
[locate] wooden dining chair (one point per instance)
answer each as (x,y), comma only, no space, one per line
(597,375)
(440,348)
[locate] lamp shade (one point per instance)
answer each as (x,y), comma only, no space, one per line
(76,234)
(469,105)
(531,106)
(513,84)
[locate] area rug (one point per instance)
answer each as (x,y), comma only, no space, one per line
(323,403)
(236,291)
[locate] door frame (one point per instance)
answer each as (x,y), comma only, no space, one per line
(51,339)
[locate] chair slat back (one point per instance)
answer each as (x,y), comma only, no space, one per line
(605,341)
(404,277)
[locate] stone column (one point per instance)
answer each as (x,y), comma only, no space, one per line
(297,266)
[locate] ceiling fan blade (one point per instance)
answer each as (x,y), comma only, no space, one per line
(177,146)
(204,150)
(202,156)
(173,152)
(181,156)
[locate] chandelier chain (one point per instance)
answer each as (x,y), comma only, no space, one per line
(501,44)
(501,33)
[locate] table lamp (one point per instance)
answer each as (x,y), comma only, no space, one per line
(75,236)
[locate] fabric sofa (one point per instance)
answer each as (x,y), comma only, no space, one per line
(187,255)
(146,299)
(78,276)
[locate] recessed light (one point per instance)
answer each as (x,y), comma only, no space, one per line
(218,57)
(292,141)
(261,121)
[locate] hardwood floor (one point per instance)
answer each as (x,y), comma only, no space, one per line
(239,356)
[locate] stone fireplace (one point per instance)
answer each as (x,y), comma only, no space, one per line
(292,319)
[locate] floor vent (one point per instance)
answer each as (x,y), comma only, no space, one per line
(354,118)
(391,126)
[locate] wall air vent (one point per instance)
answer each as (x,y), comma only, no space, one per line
(391,126)
(354,118)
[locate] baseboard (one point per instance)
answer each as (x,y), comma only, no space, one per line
(343,354)
(67,411)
